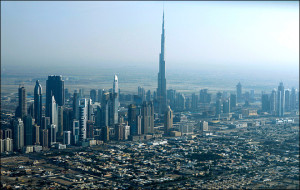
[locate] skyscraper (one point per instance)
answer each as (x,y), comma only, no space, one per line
(132,119)
(147,118)
(280,100)
(83,117)
(35,134)
(273,102)
(239,92)
(265,103)
(53,113)
(38,104)
(115,95)
(22,108)
(28,129)
(232,101)
(168,120)
(18,134)
(162,88)
(54,87)
(93,95)
(287,100)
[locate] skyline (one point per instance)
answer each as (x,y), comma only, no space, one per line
(130,38)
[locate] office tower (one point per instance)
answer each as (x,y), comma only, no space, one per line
(226,106)
(90,109)
(115,100)
(162,87)
(52,134)
(119,132)
(180,102)
(18,134)
(205,97)
(280,100)
(1,134)
(36,134)
(1,146)
(83,117)
(81,93)
(67,137)
(132,119)
(287,100)
(75,132)
(8,134)
(273,102)
(38,104)
(45,140)
(194,101)
(75,105)
(126,132)
(27,120)
(203,126)
(22,108)
(93,95)
(265,103)
(100,92)
(30,110)
(142,93)
(8,145)
(232,101)
(293,99)
(67,94)
(168,120)
(89,129)
(218,107)
(53,112)
(105,105)
(148,96)
(46,122)
(98,117)
(67,119)
(188,103)
(147,117)
(60,121)
(54,87)
(239,93)
(105,134)
(138,125)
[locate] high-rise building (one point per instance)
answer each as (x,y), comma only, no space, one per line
(168,120)
(83,117)
(67,119)
(232,101)
(28,129)
(132,119)
(239,93)
(180,102)
(287,101)
(36,134)
(105,104)
(119,132)
(142,93)
(8,145)
(100,92)
(75,105)
(8,134)
(18,134)
(226,106)
(53,113)
(194,101)
(105,134)
(171,95)
(162,87)
(280,100)
(147,117)
(54,87)
(273,102)
(205,97)
(90,129)
(67,137)
(52,134)
(22,108)
(93,95)
(38,104)
(265,103)
(45,138)
(126,132)
(293,99)
(115,95)
(46,121)
(75,132)
(218,106)
(60,121)
(138,125)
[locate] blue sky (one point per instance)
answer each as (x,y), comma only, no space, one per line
(111,34)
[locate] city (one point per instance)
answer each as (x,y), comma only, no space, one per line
(52,137)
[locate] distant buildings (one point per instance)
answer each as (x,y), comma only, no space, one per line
(280,100)
(22,108)
(239,93)
(168,120)
(38,103)
(147,117)
(54,87)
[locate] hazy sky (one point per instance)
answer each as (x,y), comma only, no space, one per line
(109,34)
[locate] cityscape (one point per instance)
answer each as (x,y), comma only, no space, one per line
(62,132)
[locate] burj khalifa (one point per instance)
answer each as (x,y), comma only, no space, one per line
(162,89)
